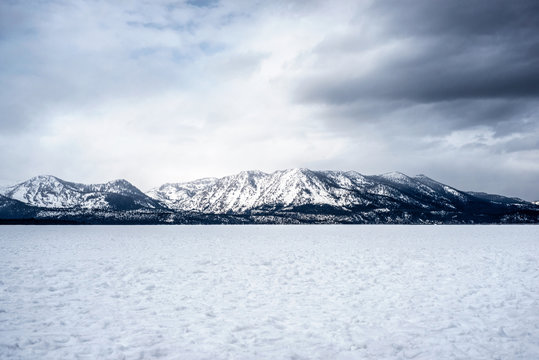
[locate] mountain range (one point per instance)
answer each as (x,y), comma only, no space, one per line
(250,197)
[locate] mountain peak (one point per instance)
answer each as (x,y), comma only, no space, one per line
(43,178)
(296,171)
(251,173)
(51,192)
(395,176)
(300,170)
(120,183)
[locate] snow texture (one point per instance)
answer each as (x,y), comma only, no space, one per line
(51,192)
(269,292)
(250,190)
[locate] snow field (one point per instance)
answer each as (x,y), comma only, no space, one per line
(269,292)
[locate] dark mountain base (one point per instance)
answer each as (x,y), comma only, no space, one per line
(62,217)
(37,222)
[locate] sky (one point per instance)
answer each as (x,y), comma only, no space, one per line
(170,91)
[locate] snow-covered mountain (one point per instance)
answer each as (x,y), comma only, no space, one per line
(286,196)
(48,191)
(289,189)
(498,198)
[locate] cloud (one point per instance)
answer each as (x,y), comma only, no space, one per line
(413,75)
(432,51)
(97,90)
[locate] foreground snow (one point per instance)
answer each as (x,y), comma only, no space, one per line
(269,292)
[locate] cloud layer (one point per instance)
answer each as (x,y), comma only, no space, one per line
(167,91)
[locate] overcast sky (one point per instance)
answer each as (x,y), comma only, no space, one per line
(169,91)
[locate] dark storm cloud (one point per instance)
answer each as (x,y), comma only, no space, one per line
(459,17)
(454,50)
(504,116)
(433,80)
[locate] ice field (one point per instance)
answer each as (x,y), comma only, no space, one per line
(269,292)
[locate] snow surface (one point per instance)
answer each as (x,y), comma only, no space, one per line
(269,292)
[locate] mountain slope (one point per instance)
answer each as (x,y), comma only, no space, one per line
(14,209)
(499,199)
(250,190)
(51,192)
(289,189)
(303,191)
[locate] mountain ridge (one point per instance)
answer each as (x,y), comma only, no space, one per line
(297,195)
(48,191)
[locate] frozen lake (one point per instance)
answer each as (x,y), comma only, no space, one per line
(269,292)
